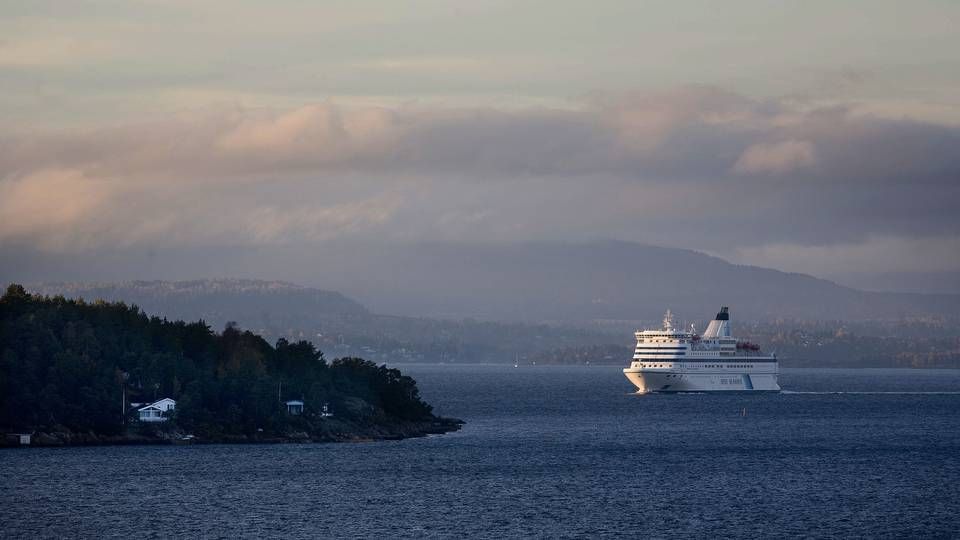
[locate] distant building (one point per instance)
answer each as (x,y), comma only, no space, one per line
(325,412)
(294,407)
(22,439)
(156,411)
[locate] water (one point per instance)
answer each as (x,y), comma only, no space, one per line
(547,452)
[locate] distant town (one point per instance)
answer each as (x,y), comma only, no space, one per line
(341,327)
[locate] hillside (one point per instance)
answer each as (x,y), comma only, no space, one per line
(602,280)
(333,322)
(531,282)
(66,366)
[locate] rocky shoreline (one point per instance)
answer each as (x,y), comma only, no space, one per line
(333,431)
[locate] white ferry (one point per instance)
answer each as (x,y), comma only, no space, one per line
(670,360)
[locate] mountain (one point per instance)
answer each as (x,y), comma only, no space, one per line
(530,282)
(919,282)
(602,280)
(595,295)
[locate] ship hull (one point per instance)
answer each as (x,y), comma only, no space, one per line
(671,381)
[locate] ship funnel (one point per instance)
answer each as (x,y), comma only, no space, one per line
(720,326)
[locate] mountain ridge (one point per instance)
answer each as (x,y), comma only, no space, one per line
(537,282)
(611,279)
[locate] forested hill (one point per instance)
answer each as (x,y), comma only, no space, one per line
(333,322)
(64,364)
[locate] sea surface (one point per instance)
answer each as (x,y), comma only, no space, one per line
(547,452)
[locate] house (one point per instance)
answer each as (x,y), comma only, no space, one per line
(158,411)
(23,439)
(294,406)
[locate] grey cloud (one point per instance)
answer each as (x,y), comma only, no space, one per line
(692,132)
(699,166)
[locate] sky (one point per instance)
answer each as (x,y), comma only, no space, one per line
(816,137)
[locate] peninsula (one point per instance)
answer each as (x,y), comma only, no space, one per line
(70,371)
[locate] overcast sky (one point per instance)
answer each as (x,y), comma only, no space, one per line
(819,137)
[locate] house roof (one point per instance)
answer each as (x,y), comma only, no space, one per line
(156,404)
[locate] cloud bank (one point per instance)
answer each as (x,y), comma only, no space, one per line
(695,167)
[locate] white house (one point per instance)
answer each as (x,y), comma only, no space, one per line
(158,411)
(294,406)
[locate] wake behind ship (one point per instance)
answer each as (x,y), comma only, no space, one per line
(670,360)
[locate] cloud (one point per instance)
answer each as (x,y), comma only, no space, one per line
(51,51)
(687,167)
(693,132)
(775,158)
(645,121)
(318,133)
(270,224)
(49,204)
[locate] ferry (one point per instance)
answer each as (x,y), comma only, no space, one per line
(671,360)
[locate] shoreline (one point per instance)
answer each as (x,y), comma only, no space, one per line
(790,365)
(50,438)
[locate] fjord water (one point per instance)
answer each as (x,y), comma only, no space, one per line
(546,452)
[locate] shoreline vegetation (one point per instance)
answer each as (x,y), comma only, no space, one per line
(70,369)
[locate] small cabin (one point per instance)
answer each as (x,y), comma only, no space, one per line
(294,407)
(158,411)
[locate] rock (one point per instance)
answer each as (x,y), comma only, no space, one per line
(46,439)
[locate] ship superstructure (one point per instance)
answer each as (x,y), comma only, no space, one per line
(671,360)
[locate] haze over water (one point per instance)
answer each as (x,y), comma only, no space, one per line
(546,452)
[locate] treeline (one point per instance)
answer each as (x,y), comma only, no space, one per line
(589,354)
(331,321)
(67,362)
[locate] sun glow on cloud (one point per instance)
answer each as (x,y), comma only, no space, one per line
(172,123)
(775,158)
(49,205)
(322,171)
